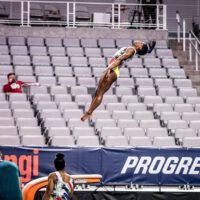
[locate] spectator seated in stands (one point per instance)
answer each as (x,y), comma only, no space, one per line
(15,86)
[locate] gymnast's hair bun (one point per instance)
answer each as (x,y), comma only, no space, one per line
(151,45)
(60,156)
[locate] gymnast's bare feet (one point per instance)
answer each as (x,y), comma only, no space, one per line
(87,115)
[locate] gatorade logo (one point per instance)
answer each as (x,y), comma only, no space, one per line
(28,164)
(160,164)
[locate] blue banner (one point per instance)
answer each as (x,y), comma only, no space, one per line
(117,166)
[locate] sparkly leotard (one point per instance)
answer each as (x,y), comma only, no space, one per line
(62,190)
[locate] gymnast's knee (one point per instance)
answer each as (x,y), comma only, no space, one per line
(99,97)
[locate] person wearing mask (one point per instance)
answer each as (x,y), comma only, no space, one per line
(15,86)
(10,184)
(60,184)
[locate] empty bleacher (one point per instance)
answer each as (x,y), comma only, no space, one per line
(152,104)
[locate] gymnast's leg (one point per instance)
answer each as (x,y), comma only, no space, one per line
(104,85)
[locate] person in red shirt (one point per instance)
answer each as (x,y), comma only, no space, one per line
(13,85)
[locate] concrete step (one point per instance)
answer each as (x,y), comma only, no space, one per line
(196,83)
(181,54)
(198,90)
(178,47)
(176,44)
(194,77)
(183,62)
(181,51)
(188,66)
(192,73)
(178,51)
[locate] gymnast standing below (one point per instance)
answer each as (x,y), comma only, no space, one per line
(112,72)
(60,184)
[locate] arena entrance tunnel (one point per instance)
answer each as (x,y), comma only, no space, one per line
(30,190)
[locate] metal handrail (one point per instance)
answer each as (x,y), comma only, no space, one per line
(194,42)
(70,6)
(195,46)
(195,37)
(181,24)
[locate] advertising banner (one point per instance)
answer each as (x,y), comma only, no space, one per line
(118,166)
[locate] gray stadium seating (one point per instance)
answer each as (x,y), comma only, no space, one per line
(9,140)
(71,42)
(134,132)
(116,141)
(87,141)
(151,99)
(140,141)
(62,141)
(35,41)
(38,51)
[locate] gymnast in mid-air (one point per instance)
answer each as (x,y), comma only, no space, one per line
(112,72)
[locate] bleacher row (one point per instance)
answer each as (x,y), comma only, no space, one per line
(151,104)
(88,60)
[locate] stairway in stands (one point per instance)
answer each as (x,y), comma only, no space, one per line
(188,66)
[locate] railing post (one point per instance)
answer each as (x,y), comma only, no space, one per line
(28,13)
(184,35)
(178,28)
(22,13)
(113,15)
(74,14)
(67,14)
(119,16)
(157,16)
(164,17)
(196,56)
(190,47)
